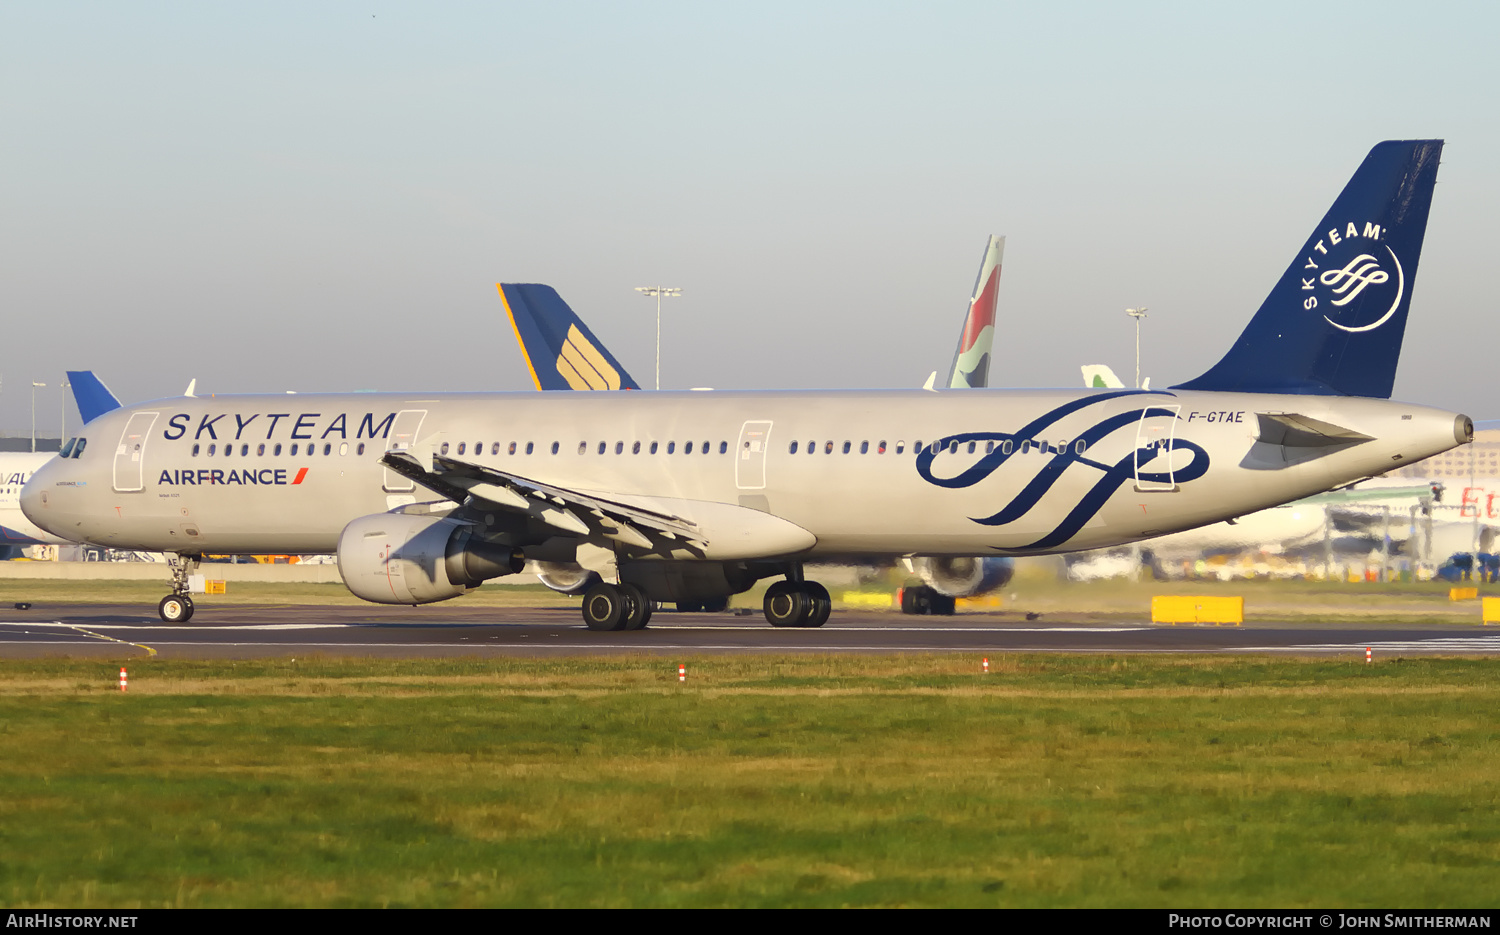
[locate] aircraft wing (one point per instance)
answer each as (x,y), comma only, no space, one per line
(568,510)
(641,524)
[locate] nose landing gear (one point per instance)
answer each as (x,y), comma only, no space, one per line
(177,607)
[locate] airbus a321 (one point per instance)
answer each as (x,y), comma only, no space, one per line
(699,495)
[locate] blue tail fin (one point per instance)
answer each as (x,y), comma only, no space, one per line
(561,351)
(93,398)
(1334,323)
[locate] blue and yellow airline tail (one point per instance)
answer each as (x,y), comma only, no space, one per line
(561,351)
(1334,323)
(93,398)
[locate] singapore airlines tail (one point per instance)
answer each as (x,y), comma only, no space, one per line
(561,352)
(971,362)
(1334,322)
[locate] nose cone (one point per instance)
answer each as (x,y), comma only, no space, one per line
(36,497)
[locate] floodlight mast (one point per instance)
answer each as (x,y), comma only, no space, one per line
(34,385)
(659,291)
(1137,314)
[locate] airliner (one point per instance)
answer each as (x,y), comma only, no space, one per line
(698,495)
(563,354)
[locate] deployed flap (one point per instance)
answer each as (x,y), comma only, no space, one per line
(1291,430)
(649,524)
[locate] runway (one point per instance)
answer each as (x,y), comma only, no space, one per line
(108,630)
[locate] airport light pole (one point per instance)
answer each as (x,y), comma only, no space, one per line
(1137,314)
(62,411)
(34,385)
(659,291)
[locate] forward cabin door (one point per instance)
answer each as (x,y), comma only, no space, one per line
(1155,433)
(130,455)
(750,457)
(403,436)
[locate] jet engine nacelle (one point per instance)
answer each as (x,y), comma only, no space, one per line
(964,576)
(565,577)
(397,558)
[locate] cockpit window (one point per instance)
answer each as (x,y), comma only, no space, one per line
(78,448)
(67,449)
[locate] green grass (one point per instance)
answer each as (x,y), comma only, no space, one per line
(762,781)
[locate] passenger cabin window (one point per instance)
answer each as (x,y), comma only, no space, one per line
(528,447)
(583,447)
(828,448)
(723,448)
(901,446)
(792,449)
(635,449)
(512,449)
(1006,447)
(195,451)
(555,446)
(689,449)
(328,448)
(881,449)
(361,449)
(442,450)
(619,448)
(211,450)
(277,452)
(461,447)
(653,448)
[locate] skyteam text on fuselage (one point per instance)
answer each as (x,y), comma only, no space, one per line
(697,495)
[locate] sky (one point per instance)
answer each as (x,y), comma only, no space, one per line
(320,197)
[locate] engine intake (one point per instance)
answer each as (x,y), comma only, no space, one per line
(964,576)
(399,558)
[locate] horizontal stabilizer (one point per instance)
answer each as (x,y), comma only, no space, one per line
(93,398)
(1291,430)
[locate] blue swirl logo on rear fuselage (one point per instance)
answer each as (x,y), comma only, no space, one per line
(1113,476)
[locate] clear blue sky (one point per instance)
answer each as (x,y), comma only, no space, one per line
(321,196)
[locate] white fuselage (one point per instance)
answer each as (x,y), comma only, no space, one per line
(287,473)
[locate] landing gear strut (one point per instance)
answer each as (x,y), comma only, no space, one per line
(177,607)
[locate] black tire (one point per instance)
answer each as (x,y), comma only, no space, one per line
(637,609)
(943,605)
(917,600)
(786,604)
(820,604)
(604,608)
(175,608)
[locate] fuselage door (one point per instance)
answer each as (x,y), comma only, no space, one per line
(403,436)
(750,458)
(129,457)
(1155,470)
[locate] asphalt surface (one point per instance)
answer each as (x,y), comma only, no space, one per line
(229,631)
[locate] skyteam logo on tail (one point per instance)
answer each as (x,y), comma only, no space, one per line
(1356,280)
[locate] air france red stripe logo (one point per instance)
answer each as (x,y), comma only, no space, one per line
(300,474)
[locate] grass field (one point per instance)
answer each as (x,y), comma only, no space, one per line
(761,781)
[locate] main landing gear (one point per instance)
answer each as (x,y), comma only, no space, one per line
(616,607)
(797,604)
(922,600)
(177,607)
